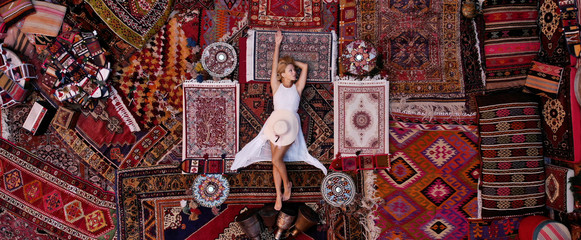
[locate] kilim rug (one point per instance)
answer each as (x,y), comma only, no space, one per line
(318,50)
(361,110)
(347,25)
(511,41)
(82,16)
(330,17)
(421,47)
(290,15)
(54,199)
(51,147)
(211,120)
(501,229)
(134,22)
(315,111)
(513,176)
(217,23)
(150,84)
(149,201)
(430,191)
(561,122)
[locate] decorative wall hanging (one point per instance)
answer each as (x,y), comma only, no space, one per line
(219,59)
(211,190)
(359,57)
(338,189)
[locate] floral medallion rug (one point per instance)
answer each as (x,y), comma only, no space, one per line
(53,199)
(421,45)
(318,50)
(211,121)
(361,110)
(150,202)
(430,191)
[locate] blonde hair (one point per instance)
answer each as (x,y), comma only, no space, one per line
(282,63)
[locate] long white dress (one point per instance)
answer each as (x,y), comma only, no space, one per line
(259,148)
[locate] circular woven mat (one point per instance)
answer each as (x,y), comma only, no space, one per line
(219,59)
(359,57)
(210,190)
(338,189)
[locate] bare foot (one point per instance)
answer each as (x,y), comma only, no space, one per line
(287,192)
(278,203)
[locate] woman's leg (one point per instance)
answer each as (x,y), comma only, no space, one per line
(277,182)
(279,171)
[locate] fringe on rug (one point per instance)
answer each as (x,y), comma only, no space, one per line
(334,55)
(371,203)
(453,110)
(367,78)
(482,74)
(4,124)
(124,112)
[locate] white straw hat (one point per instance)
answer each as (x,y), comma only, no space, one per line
(281,127)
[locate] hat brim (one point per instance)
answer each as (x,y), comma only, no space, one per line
(284,139)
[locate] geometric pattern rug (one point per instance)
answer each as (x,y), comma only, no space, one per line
(149,201)
(315,112)
(421,45)
(53,199)
(288,15)
(430,191)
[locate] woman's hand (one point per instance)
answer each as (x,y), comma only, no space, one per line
(278,37)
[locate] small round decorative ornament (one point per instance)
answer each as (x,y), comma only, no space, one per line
(219,59)
(359,57)
(211,190)
(338,189)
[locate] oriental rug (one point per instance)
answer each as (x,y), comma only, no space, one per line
(561,122)
(513,174)
(347,25)
(361,110)
(53,199)
(50,146)
(17,228)
(145,193)
(222,20)
(134,22)
(318,50)
(150,84)
(430,191)
(211,120)
(367,21)
(291,15)
(471,32)
(421,45)
(330,17)
(559,192)
(501,229)
(550,24)
(511,41)
(315,111)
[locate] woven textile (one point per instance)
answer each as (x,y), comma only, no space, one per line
(330,17)
(544,78)
(148,198)
(41,193)
(511,41)
(430,191)
(12,227)
(210,120)
(471,32)
(150,82)
(561,122)
(559,195)
(315,111)
(221,21)
(367,24)
(360,114)
(421,48)
(134,22)
(550,25)
(502,229)
(347,25)
(47,19)
(291,15)
(12,11)
(318,50)
(512,155)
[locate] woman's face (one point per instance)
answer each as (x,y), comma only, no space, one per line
(289,73)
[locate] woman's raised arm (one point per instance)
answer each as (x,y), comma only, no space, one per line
(303,78)
(274,83)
